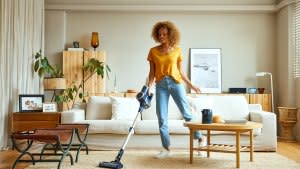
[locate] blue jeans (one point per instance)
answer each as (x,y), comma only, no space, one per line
(164,88)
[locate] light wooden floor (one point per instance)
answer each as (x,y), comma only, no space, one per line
(290,150)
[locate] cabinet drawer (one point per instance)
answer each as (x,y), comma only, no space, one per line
(29,121)
(36,116)
(29,125)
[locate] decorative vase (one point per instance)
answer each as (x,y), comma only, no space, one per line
(95,40)
(207,116)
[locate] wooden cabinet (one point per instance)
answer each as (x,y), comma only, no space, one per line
(30,121)
(264,99)
(73,62)
(96,84)
(72,67)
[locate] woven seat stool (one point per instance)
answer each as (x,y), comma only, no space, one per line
(54,138)
(81,131)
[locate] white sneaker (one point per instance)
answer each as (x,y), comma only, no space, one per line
(202,143)
(163,154)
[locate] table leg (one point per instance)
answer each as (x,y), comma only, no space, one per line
(251,145)
(191,145)
(208,143)
(237,149)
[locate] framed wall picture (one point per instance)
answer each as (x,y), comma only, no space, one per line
(50,107)
(31,102)
(205,69)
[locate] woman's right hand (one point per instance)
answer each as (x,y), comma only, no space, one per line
(196,89)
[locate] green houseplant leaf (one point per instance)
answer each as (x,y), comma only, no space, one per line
(44,68)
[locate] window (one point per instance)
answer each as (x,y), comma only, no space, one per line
(297,40)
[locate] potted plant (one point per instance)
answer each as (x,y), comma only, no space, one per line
(70,94)
(43,67)
(53,77)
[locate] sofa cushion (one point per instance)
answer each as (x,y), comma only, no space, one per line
(173,114)
(230,107)
(108,126)
(98,108)
(197,104)
(151,127)
(124,108)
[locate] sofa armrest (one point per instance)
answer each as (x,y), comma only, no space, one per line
(269,130)
(72,116)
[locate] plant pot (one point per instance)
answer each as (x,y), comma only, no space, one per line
(261,90)
(54,83)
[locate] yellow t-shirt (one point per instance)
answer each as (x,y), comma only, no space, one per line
(166,64)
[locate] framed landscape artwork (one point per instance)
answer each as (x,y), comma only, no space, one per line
(31,102)
(205,69)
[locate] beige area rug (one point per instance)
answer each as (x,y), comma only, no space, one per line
(139,159)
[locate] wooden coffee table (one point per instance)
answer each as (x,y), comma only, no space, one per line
(236,128)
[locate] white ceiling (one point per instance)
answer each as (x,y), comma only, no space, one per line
(169,5)
(166,2)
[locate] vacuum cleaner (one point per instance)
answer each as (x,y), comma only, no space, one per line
(144,98)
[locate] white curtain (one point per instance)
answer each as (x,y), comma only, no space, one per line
(22,35)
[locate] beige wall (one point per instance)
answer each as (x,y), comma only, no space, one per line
(247,41)
(55,26)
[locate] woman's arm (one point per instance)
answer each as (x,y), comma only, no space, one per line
(187,80)
(151,77)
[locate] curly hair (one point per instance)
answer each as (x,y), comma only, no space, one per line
(173,33)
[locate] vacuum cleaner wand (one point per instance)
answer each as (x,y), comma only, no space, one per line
(144,97)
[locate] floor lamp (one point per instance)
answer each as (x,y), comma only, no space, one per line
(271,79)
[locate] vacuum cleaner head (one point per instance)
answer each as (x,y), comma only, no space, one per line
(112,164)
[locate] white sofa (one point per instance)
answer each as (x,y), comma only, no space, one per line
(111,117)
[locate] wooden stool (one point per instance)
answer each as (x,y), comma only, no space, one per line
(287,121)
(54,138)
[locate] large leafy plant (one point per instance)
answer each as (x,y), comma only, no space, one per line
(92,67)
(44,68)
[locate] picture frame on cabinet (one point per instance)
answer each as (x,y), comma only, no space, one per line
(31,102)
(50,107)
(206,69)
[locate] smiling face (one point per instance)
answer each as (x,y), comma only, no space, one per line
(163,35)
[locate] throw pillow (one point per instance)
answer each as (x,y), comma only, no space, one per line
(124,108)
(98,108)
(197,104)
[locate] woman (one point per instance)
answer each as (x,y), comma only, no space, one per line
(165,70)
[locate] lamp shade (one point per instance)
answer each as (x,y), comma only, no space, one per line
(54,83)
(262,73)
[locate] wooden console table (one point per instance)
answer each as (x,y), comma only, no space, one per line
(26,121)
(236,128)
